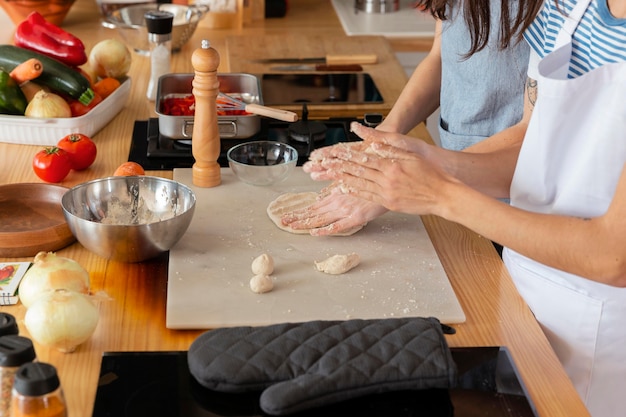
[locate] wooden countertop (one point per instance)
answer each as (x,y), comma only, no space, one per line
(132,314)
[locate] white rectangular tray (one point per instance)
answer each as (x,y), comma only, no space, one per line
(36,131)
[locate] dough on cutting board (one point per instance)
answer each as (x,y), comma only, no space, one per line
(338,264)
(261,283)
(263,265)
(289,202)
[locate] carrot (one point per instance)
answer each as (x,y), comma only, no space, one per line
(106,86)
(27,70)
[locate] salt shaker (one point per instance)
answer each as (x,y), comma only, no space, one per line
(37,392)
(14,352)
(159,25)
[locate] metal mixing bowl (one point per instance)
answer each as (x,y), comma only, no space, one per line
(131,24)
(129,219)
(262,162)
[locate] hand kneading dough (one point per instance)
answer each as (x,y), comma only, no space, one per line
(289,202)
(338,264)
(261,283)
(263,265)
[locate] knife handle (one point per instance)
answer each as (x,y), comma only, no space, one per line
(351,59)
(343,67)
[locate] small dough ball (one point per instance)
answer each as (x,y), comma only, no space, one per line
(263,265)
(261,283)
(338,264)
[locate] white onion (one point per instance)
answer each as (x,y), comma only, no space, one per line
(61,319)
(50,272)
(110,58)
(47,105)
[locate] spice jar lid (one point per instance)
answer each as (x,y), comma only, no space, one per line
(159,22)
(16,350)
(36,378)
(8,324)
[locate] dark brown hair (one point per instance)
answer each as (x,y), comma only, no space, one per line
(478,19)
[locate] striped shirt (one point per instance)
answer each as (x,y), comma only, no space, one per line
(599,39)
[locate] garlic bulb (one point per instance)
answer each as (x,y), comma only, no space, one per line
(61,319)
(50,272)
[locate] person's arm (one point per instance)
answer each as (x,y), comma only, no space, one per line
(420,96)
(454,185)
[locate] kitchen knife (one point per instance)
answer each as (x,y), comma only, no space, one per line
(318,67)
(328,60)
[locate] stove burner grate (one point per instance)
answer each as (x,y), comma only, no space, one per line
(156,152)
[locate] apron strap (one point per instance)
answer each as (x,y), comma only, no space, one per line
(571,23)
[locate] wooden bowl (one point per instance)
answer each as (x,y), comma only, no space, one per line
(32,220)
(54,11)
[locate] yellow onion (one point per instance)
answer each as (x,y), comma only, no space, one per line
(47,105)
(61,319)
(110,58)
(50,272)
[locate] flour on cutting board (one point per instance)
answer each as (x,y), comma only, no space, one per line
(399,274)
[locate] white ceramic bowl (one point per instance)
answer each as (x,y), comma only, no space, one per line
(262,162)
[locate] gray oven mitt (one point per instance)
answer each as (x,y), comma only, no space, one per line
(306,365)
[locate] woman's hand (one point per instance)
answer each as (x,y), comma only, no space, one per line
(333,213)
(315,164)
(390,171)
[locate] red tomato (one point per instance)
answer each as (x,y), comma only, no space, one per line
(81,149)
(79,109)
(52,164)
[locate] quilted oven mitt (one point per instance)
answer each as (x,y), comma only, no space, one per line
(305,365)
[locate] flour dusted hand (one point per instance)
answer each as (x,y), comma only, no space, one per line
(302,206)
(338,264)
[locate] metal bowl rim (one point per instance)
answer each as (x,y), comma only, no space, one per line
(269,142)
(88,183)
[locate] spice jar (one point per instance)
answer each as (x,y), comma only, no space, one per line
(14,352)
(8,324)
(37,392)
(159,25)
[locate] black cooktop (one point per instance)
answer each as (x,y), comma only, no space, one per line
(158,384)
(155,152)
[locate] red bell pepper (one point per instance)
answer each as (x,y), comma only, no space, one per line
(39,35)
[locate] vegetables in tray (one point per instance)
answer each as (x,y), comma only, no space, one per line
(46,57)
(55,74)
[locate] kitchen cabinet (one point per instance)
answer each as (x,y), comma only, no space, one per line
(131,298)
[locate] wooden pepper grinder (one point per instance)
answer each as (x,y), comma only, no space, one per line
(205,143)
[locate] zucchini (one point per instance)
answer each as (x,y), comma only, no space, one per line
(56,75)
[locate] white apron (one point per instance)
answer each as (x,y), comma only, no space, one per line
(573,154)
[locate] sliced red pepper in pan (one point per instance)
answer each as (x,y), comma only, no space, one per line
(185,106)
(37,34)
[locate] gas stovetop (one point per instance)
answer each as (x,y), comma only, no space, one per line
(158,384)
(156,152)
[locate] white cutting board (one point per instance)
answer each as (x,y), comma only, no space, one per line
(209,269)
